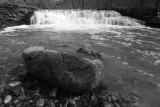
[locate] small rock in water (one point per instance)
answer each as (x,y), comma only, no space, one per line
(113,98)
(53,93)
(52,104)
(2,85)
(13,84)
(66,104)
(22,97)
(71,101)
(118,58)
(136,103)
(60,105)
(15,101)
(76,98)
(125,63)
(7,99)
(157,62)
(116,105)
(106,104)
(93,99)
(40,102)
(15,87)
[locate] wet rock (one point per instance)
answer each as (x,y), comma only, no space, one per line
(16,101)
(15,87)
(76,98)
(106,104)
(125,63)
(2,85)
(93,100)
(53,93)
(113,98)
(116,105)
(66,69)
(40,102)
(136,103)
(22,97)
(60,105)
(52,104)
(87,51)
(85,102)
(157,62)
(71,101)
(66,104)
(108,99)
(7,99)
(15,83)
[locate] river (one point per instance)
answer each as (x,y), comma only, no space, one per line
(131,51)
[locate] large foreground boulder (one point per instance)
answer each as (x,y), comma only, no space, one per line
(72,71)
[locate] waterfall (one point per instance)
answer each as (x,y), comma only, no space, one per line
(81,17)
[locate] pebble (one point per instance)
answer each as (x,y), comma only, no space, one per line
(13,84)
(60,105)
(108,98)
(66,104)
(15,101)
(85,102)
(71,101)
(75,98)
(40,102)
(125,63)
(22,97)
(116,105)
(157,62)
(118,58)
(136,103)
(93,98)
(53,93)
(7,99)
(2,85)
(52,104)
(113,98)
(106,104)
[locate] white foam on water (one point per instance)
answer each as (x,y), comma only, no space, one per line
(81,19)
(145,73)
(77,20)
(13,28)
(97,37)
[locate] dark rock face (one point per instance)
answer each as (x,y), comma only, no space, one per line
(14,14)
(72,71)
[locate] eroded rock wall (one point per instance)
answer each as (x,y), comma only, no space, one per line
(14,14)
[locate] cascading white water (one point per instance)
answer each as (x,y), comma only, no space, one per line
(81,17)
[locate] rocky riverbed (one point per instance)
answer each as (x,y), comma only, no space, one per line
(25,90)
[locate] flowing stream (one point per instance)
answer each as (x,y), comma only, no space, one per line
(130,50)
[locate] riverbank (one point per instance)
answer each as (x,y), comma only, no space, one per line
(26,90)
(15,14)
(147,15)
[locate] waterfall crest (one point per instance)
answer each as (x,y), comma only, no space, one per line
(81,17)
